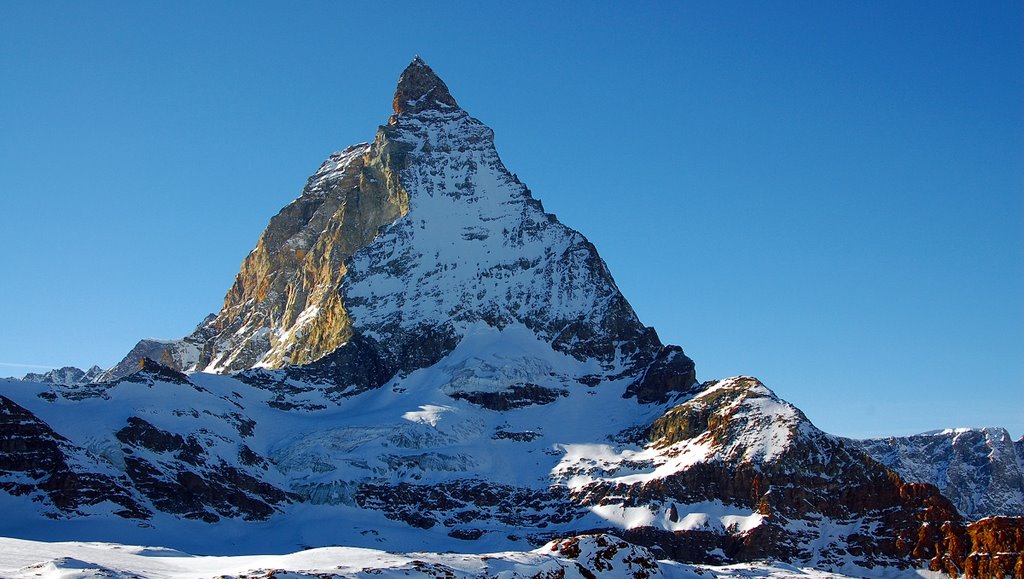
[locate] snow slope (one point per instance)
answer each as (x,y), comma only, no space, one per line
(596,556)
(412,431)
(418,465)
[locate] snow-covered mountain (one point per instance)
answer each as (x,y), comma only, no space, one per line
(416,356)
(980,469)
(422,232)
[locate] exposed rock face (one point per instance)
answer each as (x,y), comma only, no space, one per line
(515,396)
(980,470)
(670,374)
(285,306)
(362,364)
(997,548)
(460,504)
(991,548)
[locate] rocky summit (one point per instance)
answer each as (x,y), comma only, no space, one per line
(417,356)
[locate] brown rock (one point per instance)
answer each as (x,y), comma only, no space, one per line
(420,89)
(996,549)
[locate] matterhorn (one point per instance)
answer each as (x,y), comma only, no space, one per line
(417,357)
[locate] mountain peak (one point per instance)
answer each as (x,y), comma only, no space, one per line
(419,89)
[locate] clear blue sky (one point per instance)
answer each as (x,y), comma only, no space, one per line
(829,196)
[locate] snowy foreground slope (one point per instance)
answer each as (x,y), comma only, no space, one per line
(582,558)
(417,357)
(213,464)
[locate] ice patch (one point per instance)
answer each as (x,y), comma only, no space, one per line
(429,414)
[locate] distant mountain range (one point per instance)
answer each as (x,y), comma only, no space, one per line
(68,375)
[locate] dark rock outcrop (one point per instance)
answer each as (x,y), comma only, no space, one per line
(600,554)
(468,502)
(54,470)
(151,371)
(419,89)
(515,396)
(179,477)
(362,364)
(671,373)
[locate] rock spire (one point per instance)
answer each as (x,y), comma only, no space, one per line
(419,89)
